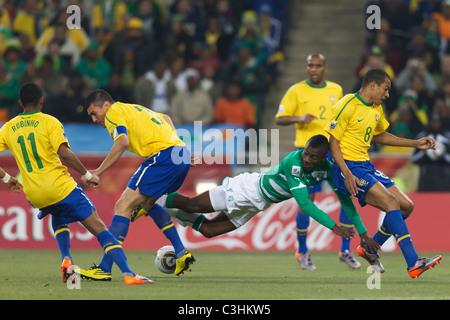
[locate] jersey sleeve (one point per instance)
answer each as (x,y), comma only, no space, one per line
(116,123)
(300,194)
(382,125)
(3,144)
(339,120)
(288,104)
(56,134)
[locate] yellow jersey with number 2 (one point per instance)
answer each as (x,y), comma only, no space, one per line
(354,123)
(34,139)
(147,131)
(303,98)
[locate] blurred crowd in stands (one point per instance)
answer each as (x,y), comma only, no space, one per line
(208,60)
(413,47)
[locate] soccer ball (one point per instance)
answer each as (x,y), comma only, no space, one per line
(165,259)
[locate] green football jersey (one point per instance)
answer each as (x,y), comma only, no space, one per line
(288,180)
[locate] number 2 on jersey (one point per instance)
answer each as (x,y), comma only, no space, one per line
(21,141)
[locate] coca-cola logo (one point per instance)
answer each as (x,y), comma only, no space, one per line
(271,229)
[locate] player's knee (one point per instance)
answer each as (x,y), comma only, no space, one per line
(121,209)
(407,208)
(392,203)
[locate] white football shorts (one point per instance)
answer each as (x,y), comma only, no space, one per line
(239,198)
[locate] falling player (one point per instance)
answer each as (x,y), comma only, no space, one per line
(240,198)
(308,104)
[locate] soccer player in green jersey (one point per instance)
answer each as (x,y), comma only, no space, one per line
(240,198)
(308,105)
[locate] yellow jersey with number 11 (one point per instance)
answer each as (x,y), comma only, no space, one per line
(34,139)
(303,98)
(354,123)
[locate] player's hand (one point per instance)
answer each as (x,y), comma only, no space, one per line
(343,232)
(367,242)
(307,118)
(426,143)
(14,185)
(351,183)
(94,181)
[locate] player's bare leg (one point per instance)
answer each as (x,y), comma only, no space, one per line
(406,204)
(216,226)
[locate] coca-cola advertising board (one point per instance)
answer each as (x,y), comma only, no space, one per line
(272,229)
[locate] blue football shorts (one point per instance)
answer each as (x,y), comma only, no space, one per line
(367,174)
(162,173)
(75,207)
(318,187)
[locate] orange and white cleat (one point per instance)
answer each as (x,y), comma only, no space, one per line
(423,264)
(137,279)
(65,268)
(372,259)
(304,259)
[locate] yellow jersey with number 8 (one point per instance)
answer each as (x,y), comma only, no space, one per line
(34,139)
(354,123)
(147,131)
(303,98)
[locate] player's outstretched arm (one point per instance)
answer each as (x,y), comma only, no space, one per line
(350,210)
(389,139)
(72,161)
(118,148)
(300,194)
(343,232)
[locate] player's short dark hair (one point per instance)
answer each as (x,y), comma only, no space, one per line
(318,141)
(97,98)
(30,94)
(377,75)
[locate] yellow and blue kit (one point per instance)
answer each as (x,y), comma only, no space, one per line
(303,98)
(167,159)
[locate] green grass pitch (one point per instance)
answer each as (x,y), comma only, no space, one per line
(235,275)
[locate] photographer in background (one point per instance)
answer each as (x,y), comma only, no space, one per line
(434,164)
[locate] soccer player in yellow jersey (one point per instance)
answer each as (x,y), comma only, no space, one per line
(153,136)
(38,142)
(357,120)
(308,104)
